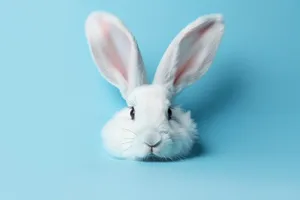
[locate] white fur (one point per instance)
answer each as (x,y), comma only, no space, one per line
(190,45)
(117,56)
(114,48)
(125,138)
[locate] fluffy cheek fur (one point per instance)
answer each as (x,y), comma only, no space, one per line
(183,132)
(121,142)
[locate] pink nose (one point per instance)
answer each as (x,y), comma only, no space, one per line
(152,139)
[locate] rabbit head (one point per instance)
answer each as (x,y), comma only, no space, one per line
(150,126)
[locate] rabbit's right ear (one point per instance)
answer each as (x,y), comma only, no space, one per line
(115,52)
(190,54)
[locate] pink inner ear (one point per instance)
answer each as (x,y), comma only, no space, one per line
(112,52)
(185,66)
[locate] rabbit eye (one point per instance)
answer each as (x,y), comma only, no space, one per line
(132,113)
(169,114)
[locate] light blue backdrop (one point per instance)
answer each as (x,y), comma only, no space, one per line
(53,103)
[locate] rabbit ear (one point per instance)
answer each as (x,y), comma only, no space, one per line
(190,54)
(115,52)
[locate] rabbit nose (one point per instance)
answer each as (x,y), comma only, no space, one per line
(152,140)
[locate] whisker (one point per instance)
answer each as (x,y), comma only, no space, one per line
(127,148)
(129,138)
(129,131)
(126,142)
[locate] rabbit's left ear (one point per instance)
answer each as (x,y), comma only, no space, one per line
(190,54)
(115,52)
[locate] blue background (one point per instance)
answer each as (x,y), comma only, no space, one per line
(54,103)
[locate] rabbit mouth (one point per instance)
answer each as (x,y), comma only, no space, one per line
(151,157)
(154,156)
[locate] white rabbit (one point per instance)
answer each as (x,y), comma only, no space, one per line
(150,126)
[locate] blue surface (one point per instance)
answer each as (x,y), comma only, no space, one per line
(54,103)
